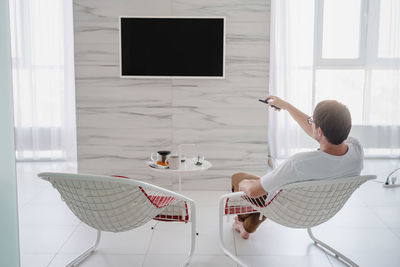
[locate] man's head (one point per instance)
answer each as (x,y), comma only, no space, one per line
(332,120)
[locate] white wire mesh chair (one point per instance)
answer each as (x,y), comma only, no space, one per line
(297,205)
(117,204)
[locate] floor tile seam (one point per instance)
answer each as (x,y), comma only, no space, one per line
(280,255)
(350,206)
(383,221)
(149,245)
(185,254)
(394,204)
(393,229)
(28,201)
(49,225)
(31,198)
(334,226)
(211,254)
(393,232)
(53,204)
(234,241)
(357,227)
(37,253)
(322,254)
(350,227)
(329,258)
(96,252)
(232,233)
(65,242)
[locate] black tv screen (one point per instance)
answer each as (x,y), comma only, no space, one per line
(172,47)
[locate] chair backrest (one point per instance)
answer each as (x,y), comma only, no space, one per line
(109,203)
(310,203)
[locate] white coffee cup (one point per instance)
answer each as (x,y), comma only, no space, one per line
(174,162)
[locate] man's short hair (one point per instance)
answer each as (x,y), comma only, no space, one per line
(334,119)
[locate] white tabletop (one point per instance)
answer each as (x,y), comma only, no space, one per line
(187,166)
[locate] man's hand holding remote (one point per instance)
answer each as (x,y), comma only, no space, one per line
(277,103)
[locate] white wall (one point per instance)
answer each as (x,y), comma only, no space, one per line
(9,244)
(121,121)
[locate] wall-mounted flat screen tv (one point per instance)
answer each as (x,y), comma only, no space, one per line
(172,47)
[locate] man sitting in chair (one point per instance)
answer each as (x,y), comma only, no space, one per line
(337,156)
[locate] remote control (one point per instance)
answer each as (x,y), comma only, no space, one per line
(266,102)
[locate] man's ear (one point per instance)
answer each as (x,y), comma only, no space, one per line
(320,132)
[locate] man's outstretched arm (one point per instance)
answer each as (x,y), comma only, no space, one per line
(297,115)
(252,188)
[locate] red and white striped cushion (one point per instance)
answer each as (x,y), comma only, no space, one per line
(245,204)
(173,210)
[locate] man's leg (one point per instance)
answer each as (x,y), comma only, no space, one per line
(249,222)
(238,177)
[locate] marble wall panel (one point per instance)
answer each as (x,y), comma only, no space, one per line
(224,146)
(217,97)
(101,54)
(233,10)
(88,79)
(247,33)
(83,72)
(106,10)
(121,121)
(212,118)
(125,97)
(131,139)
(96,31)
(121,118)
(237,75)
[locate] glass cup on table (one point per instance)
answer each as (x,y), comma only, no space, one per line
(198,159)
(174,162)
(182,156)
(160,157)
(186,150)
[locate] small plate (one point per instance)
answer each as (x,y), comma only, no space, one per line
(156,166)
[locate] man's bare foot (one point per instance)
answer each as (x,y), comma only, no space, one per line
(238,226)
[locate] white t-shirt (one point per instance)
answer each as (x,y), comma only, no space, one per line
(315,165)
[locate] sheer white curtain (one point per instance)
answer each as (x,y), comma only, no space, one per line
(43,79)
(291,70)
(343,50)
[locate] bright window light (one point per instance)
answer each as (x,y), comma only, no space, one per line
(360,60)
(389,29)
(335,84)
(341,24)
(383,92)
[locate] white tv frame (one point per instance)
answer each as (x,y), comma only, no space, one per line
(173,77)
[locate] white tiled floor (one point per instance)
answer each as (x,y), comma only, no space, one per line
(367,230)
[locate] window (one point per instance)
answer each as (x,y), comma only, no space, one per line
(343,50)
(42,62)
(357,58)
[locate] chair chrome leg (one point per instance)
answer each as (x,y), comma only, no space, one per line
(338,255)
(87,253)
(221,232)
(193,235)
